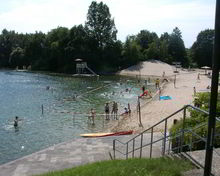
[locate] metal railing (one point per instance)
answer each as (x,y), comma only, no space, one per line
(145,143)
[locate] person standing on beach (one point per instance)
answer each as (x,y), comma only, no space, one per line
(157,84)
(174,82)
(93,116)
(163,74)
(129,109)
(194,89)
(143,88)
(115,110)
(106,111)
(198,77)
(159,92)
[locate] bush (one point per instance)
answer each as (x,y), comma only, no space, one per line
(197,118)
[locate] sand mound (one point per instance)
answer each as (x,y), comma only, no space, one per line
(149,68)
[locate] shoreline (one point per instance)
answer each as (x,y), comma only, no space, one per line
(155,110)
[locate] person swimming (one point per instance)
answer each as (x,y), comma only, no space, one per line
(16,122)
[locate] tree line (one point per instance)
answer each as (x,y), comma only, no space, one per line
(96,43)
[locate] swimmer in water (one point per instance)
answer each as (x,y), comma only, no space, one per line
(16,122)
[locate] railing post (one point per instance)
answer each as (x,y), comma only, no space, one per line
(127,151)
(141,145)
(214,94)
(151,141)
(114,148)
(183,127)
(165,136)
(191,142)
(133,148)
(169,147)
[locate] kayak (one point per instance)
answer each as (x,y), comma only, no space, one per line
(106,134)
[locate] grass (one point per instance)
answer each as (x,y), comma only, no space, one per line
(130,167)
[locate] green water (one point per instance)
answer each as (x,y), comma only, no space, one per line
(64,117)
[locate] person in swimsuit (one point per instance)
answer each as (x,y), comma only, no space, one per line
(16,122)
(106,111)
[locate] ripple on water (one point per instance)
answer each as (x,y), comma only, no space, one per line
(63,118)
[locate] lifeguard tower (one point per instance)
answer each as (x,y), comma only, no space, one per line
(82,69)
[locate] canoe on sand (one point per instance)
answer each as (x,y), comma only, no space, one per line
(106,134)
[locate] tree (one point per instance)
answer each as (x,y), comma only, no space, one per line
(17,58)
(57,40)
(176,47)
(35,50)
(202,48)
(153,51)
(145,38)
(131,53)
(99,24)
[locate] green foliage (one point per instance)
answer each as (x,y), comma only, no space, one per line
(99,24)
(96,43)
(131,53)
(176,47)
(145,38)
(197,118)
(202,48)
(17,58)
(130,167)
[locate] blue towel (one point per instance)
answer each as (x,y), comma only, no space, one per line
(165,97)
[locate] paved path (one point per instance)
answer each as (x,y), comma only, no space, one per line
(66,155)
(199,156)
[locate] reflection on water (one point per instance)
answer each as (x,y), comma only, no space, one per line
(54,109)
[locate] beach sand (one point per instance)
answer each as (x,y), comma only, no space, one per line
(156,110)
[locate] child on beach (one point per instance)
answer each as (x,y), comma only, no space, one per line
(92,116)
(157,83)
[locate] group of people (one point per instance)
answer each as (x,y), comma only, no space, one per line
(108,113)
(114,111)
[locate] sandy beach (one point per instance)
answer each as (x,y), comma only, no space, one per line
(156,110)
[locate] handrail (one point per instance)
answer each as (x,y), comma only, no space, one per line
(150,130)
(156,124)
(186,106)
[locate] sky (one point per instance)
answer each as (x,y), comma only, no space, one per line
(130,16)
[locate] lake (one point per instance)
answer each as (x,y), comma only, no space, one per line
(49,111)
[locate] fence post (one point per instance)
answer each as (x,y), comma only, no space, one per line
(114,148)
(127,151)
(151,141)
(183,127)
(141,145)
(165,136)
(133,148)
(139,110)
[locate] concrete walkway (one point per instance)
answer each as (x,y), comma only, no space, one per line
(61,156)
(199,156)
(73,153)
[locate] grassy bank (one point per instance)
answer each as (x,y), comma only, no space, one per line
(131,167)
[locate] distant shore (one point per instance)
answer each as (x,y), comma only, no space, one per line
(154,111)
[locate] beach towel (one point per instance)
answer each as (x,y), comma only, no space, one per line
(165,97)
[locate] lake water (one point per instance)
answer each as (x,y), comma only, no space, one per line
(23,94)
